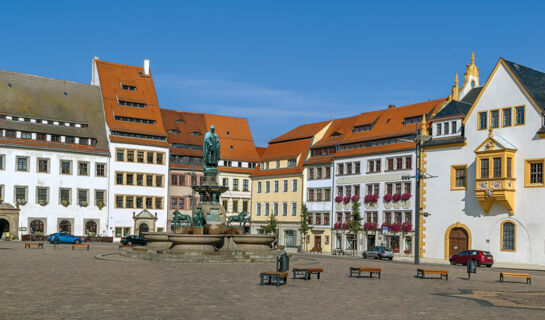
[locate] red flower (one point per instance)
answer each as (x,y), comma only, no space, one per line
(396,226)
(355,198)
(406,196)
(388,197)
(396,197)
(371,198)
(385,224)
(339,199)
(346,199)
(407,227)
(370,226)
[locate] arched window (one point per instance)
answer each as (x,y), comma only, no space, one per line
(508,233)
(65,226)
(37,227)
(91,228)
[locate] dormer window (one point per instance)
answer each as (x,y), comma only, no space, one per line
(336,134)
(454,128)
(127,87)
(173,131)
(195,133)
(438,129)
(132,104)
(365,127)
(292,163)
(412,120)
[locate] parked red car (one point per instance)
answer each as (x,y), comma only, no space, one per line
(482,257)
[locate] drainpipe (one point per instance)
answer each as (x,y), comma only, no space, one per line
(332,199)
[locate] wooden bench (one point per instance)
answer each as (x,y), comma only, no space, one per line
(37,244)
(359,270)
(316,250)
(421,273)
(80,246)
(516,275)
(126,246)
(272,275)
(306,272)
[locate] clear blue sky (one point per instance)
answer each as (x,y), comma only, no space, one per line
(275,61)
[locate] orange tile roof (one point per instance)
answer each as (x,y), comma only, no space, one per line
(301,132)
(284,151)
(111,77)
(235,136)
(385,123)
(185,123)
(237,170)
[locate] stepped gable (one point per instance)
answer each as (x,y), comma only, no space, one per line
(113,77)
(77,109)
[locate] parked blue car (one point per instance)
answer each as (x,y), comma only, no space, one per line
(63,237)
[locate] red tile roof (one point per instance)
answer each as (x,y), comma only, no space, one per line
(112,76)
(301,132)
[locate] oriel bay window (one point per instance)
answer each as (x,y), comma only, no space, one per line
(495,180)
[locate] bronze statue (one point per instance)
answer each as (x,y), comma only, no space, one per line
(241,218)
(198,219)
(211,150)
(179,217)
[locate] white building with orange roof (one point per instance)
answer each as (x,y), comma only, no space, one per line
(369,154)
(278,184)
(138,144)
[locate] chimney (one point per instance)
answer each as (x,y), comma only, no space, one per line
(391,106)
(146,67)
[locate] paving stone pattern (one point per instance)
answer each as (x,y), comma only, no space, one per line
(72,284)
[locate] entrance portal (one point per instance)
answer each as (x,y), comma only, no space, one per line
(458,241)
(317,241)
(4,228)
(143,228)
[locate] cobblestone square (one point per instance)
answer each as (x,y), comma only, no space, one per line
(63,283)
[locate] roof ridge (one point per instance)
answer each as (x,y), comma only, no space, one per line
(48,78)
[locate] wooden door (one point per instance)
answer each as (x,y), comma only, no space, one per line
(458,241)
(317,241)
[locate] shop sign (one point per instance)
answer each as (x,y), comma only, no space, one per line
(385,230)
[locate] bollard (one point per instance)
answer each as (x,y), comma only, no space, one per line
(471,268)
(283,263)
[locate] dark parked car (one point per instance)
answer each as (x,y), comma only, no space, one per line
(130,240)
(379,252)
(63,237)
(482,257)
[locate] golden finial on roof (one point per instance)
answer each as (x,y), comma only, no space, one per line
(490,135)
(455,91)
(472,57)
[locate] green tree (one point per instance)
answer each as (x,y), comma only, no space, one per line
(304,228)
(272,226)
(355,222)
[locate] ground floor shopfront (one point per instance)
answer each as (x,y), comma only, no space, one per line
(400,242)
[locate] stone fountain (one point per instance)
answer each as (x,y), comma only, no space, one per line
(207,236)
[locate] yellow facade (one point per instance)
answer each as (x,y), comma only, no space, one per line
(261,196)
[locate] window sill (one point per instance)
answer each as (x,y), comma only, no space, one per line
(534,185)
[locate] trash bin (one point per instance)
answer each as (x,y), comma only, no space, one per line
(283,263)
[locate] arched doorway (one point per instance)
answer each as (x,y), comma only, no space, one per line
(91,228)
(65,226)
(4,227)
(458,241)
(143,227)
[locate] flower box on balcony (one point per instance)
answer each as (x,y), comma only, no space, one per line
(395,227)
(370,226)
(407,227)
(355,198)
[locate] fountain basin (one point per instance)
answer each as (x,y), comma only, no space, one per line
(194,242)
(253,242)
(157,240)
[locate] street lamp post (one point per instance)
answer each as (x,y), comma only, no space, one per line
(418,175)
